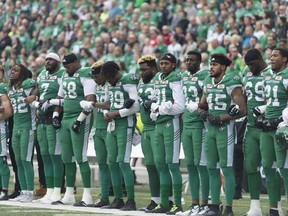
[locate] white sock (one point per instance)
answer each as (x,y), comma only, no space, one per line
(69,191)
(156,199)
(57,191)
(86,192)
(31,192)
(255,204)
(49,192)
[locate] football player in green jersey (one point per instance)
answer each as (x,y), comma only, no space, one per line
(166,111)
(193,134)
(77,85)
(120,129)
(5,113)
(148,69)
(253,82)
(276,94)
(20,87)
(100,125)
(222,101)
(48,83)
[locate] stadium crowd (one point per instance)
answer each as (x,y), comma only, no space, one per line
(207,52)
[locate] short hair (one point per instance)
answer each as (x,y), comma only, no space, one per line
(109,69)
(196,53)
(148,59)
(220,58)
(283,52)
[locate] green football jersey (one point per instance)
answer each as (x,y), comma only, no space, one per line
(24,116)
(74,91)
(276,93)
(48,85)
(254,90)
(101,96)
(192,88)
(3,88)
(145,93)
(163,91)
(218,95)
(118,96)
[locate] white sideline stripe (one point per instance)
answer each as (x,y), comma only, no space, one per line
(73,209)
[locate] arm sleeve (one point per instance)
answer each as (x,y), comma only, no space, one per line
(89,86)
(60,91)
(132,92)
(178,106)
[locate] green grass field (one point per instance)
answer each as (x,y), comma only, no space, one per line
(142,199)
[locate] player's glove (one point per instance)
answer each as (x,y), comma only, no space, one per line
(154,116)
(203,115)
(233,110)
(259,110)
(147,105)
(167,106)
(56,123)
(259,121)
(86,105)
(43,107)
(214,120)
(76,126)
(192,107)
(129,103)
(271,124)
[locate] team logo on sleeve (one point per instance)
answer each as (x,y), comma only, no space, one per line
(278,78)
(76,75)
(185,78)
(43,77)
(53,77)
(236,77)
(222,86)
(268,78)
(209,85)
(20,90)
(165,82)
(194,79)
(249,74)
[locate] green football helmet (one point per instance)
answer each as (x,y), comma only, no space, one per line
(282,136)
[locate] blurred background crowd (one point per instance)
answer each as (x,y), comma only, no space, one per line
(124,30)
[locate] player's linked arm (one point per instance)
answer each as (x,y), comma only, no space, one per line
(5,108)
(238,98)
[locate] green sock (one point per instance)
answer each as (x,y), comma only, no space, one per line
(21,175)
(70,173)
(104,181)
(229,184)
(29,174)
(48,169)
(215,185)
(116,177)
(194,182)
(129,179)
(254,184)
(204,178)
(5,173)
(154,180)
(177,182)
(85,174)
(165,184)
(272,184)
(58,169)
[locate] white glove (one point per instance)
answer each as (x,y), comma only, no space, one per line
(285,115)
(154,107)
(192,107)
(45,106)
(111,126)
(35,104)
(154,115)
(167,106)
(86,105)
(259,110)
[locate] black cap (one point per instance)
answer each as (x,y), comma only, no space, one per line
(220,58)
(252,54)
(69,58)
(169,57)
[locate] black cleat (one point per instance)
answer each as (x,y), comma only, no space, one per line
(228,212)
(58,202)
(99,204)
(214,210)
(237,197)
(4,197)
(80,204)
(174,210)
(14,194)
(129,206)
(159,209)
(116,204)
(151,206)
